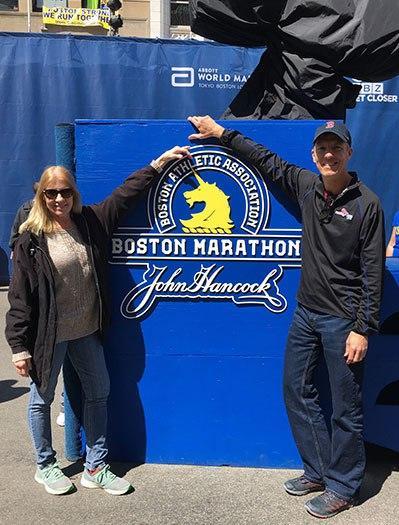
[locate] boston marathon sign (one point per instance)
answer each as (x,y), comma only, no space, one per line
(208,238)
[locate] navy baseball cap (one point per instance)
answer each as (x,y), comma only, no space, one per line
(336,128)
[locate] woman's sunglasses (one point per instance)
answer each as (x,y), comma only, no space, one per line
(65,193)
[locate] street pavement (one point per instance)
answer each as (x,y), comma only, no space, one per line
(164,494)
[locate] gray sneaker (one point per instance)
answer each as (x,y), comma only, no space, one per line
(302,486)
(105,479)
(327,505)
(53,479)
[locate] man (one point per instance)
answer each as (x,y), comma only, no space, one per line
(20,217)
(338,304)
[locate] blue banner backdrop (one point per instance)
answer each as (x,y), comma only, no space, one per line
(48,79)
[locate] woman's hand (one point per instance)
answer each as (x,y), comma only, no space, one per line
(391,244)
(206,126)
(176,153)
(23,366)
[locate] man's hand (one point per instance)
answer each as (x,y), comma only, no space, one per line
(176,153)
(207,128)
(356,348)
(23,366)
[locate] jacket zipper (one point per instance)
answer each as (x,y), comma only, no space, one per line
(95,274)
(343,192)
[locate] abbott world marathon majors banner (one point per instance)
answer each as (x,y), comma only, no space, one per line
(152,79)
(204,275)
(139,78)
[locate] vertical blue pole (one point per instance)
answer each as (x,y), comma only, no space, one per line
(65,146)
(74,440)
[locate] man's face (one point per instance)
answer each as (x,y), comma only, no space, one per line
(331,155)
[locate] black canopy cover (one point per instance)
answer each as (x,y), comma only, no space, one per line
(312,45)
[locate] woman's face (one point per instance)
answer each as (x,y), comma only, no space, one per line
(59,205)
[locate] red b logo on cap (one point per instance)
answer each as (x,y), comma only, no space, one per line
(330,124)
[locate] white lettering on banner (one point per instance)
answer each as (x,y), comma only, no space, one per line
(222,162)
(145,247)
(374,92)
(214,77)
(149,246)
(205,284)
(207,78)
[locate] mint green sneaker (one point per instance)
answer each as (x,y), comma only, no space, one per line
(53,479)
(105,479)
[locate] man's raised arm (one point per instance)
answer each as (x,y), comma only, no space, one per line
(295,181)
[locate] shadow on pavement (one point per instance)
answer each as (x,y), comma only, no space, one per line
(121,469)
(74,468)
(118,468)
(9,392)
(381,462)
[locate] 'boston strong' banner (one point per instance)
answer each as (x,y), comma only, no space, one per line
(68,16)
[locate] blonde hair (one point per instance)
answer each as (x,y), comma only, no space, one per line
(39,219)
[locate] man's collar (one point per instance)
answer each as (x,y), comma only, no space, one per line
(353,183)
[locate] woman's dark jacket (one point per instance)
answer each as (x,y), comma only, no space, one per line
(31,322)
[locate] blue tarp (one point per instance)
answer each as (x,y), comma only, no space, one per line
(48,79)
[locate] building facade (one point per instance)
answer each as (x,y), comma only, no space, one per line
(141,18)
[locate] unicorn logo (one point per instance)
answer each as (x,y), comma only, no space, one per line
(215,217)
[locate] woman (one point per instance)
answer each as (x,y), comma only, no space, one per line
(58,307)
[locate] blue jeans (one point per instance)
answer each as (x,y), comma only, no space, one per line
(87,357)
(338,459)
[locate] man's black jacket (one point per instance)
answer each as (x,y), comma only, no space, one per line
(20,217)
(343,256)
(31,322)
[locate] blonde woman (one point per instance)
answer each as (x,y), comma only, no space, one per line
(59,306)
